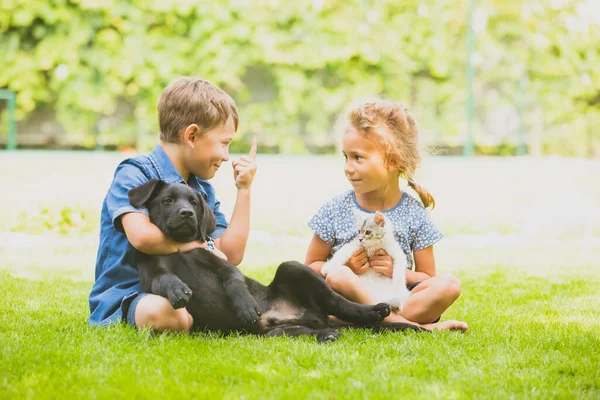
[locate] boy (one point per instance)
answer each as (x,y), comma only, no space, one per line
(197,121)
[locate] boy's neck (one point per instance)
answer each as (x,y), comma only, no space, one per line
(173,151)
(381,199)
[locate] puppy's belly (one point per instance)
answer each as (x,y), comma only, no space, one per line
(279,313)
(379,286)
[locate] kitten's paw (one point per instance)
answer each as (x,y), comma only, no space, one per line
(179,294)
(397,303)
(326,269)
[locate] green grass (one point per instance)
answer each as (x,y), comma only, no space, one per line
(533,333)
(530,296)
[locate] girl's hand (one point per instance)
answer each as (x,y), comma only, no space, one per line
(382,262)
(358,263)
(244,169)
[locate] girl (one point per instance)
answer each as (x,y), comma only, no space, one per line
(380,146)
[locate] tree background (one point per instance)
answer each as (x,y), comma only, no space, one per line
(89,73)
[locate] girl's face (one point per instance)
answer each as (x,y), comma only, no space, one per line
(365,166)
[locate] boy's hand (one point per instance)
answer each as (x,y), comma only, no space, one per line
(198,244)
(189,246)
(244,169)
(382,262)
(219,253)
(358,263)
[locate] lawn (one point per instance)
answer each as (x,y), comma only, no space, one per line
(522,235)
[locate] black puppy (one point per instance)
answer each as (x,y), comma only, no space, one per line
(218,296)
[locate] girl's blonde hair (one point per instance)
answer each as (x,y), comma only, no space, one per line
(392,127)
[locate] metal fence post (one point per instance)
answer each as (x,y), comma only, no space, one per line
(469,147)
(11,99)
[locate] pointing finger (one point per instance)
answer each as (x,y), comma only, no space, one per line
(253,149)
(242,163)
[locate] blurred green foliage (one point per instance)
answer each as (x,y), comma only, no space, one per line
(293,66)
(63,220)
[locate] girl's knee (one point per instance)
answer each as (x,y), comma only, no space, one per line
(449,286)
(157,313)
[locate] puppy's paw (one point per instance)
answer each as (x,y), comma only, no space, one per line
(248,313)
(380,311)
(179,294)
(328,336)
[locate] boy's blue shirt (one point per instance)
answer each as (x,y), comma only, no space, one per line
(117,280)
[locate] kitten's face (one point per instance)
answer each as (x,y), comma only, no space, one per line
(372,228)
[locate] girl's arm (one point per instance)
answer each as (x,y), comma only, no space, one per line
(317,253)
(424,266)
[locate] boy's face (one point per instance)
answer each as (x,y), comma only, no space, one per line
(365,167)
(210,150)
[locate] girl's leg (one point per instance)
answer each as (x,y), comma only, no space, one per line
(428,301)
(348,284)
(156,312)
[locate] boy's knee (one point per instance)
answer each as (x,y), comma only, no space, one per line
(449,286)
(157,313)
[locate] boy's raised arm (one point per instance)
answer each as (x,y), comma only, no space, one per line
(234,239)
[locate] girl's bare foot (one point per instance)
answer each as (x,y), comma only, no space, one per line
(450,325)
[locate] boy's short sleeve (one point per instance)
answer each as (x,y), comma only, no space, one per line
(222,223)
(127,176)
(215,206)
(323,224)
(426,233)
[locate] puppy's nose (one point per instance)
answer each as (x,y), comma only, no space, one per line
(186,212)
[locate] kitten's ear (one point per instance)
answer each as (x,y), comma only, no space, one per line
(379,219)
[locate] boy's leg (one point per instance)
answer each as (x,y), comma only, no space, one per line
(428,300)
(156,312)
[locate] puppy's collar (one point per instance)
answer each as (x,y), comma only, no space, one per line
(210,245)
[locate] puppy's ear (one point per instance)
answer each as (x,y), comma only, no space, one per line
(140,195)
(206,219)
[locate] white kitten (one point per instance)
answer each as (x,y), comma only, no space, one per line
(376,232)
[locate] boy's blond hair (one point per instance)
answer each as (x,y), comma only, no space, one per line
(189,101)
